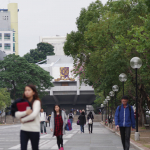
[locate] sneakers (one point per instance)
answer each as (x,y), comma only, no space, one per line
(61,148)
(45,133)
(41,133)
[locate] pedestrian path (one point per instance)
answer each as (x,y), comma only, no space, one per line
(100,139)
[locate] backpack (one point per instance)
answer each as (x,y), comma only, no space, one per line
(129,109)
(90,121)
(70,116)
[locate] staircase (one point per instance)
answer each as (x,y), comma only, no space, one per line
(9,120)
(97,118)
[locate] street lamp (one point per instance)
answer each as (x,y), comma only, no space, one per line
(115,88)
(123,78)
(102,107)
(108,99)
(111,94)
(136,63)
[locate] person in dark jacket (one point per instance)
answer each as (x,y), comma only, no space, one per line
(124,119)
(90,124)
(82,121)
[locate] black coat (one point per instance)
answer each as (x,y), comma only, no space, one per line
(82,119)
(90,117)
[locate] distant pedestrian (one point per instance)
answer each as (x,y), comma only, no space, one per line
(57,125)
(110,119)
(43,120)
(82,121)
(124,119)
(49,118)
(90,118)
(30,119)
(71,117)
(77,111)
(80,112)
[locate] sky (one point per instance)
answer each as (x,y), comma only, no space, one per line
(45,18)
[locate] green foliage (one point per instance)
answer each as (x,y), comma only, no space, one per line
(110,36)
(4,98)
(16,73)
(40,53)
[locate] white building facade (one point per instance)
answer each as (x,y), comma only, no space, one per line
(56,41)
(67,90)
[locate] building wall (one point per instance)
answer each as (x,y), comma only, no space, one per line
(5,41)
(56,41)
(13,9)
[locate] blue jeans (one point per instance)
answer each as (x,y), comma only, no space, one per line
(71,120)
(82,128)
(43,124)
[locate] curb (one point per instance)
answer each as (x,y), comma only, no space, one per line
(134,145)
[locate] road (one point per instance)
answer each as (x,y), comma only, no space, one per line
(101,139)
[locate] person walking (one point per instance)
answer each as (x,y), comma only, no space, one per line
(82,121)
(71,117)
(90,118)
(57,125)
(124,119)
(30,119)
(49,118)
(43,119)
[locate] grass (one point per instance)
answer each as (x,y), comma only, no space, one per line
(142,128)
(148,146)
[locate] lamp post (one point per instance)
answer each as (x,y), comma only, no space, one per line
(123,78)
(136,63)
(115,88)
(102,106)
(111,94)
(108,99)
(105,110)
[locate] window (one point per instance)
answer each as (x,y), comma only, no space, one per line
(7,36)
(64,84)
(0,36)
(13,37)
(7,46)
(0,45)
(13,47)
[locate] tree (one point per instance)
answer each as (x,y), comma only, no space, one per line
(4,98)
(117,32)
(40,53)
(16,73)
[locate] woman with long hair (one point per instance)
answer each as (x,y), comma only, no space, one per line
(82,121)
(30,119)
(90,118)
(57,125)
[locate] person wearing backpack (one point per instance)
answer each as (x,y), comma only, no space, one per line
(43,119)
(90,118)
(82,121)
(71,117)
(124,120)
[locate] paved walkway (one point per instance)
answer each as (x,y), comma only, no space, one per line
(101,139)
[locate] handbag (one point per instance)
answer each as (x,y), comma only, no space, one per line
(78,122)
(90,121)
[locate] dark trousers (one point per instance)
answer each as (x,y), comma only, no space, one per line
(125,137)
(60,141)
(82,128)
(34,138)
(90,128)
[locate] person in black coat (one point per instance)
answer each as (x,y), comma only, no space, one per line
(90,124)
(82,121)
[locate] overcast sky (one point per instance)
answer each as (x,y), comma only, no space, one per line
(45,18)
